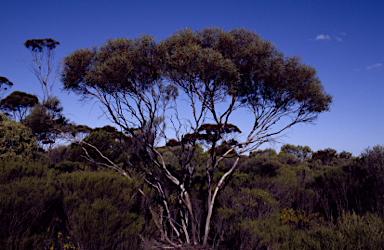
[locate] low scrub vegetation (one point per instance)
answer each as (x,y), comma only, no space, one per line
(273,201)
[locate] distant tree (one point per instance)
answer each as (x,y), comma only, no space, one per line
(16,140)
(18,104)
(345,155)
(325,157)
(45,120)
(300,152)
(373,157)
(43,64)
(5,84)
(218,73)
(261,152)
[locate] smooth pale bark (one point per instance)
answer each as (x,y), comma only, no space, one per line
(212,201)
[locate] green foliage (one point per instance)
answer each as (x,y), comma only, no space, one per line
(28,201)
(100,225)
(16,140)
(262,152)
(300,219)
(102,210)
(15,169)
(137,81)
(111,143)
(240,62)
(44,120)
(350,232)
(300,152)
(42,209)
(17,104)
(259,234)
(365,175)
(116,56)
(330,157)
(263,165)
(325,157)
(373,157)
(362,232)
(70,166)
(253,203)
(172,155)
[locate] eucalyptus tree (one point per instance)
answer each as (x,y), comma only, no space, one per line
(44,120)
(17,104)
(300,152)
(222,72)
(43,63)
(45,117)
(125,76)
(142,86)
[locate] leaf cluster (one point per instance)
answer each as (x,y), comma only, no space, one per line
(16,140)
(38,45)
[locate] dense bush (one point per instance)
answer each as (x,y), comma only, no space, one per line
(102,210)
(40,208)
(270,202)
(29,200)
(16,140)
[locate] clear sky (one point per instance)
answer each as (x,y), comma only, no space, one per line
(343,40)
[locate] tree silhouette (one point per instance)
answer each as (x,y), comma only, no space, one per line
(43,64)
(17,104)
(140,83)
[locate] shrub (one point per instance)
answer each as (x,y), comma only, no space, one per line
(15,169)
(102,210)
(26,210)
(300,219)
(16,140)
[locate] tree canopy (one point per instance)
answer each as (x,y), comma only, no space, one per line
(300,152)
(38,45)
(17,104)
(141,82)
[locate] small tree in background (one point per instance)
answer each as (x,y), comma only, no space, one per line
(44,120)
(300,152)
(18,104)
(43,64)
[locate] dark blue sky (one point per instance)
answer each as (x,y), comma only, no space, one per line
(343,40)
